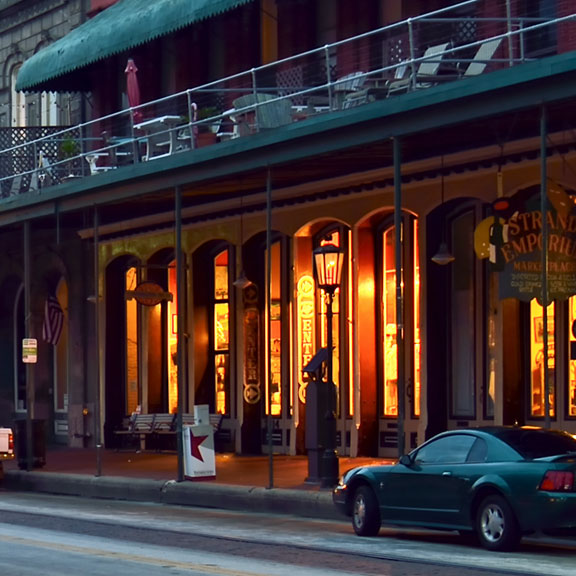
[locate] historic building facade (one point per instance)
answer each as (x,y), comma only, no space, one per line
(421,343)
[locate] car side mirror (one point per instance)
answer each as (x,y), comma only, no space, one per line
(405,460)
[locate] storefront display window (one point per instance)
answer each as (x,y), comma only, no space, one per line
(492,308)
(275,391)
(537,386)
(389,323)
(221,332)
(132,392)
(172,340)
(417,362)
(389,320)
(572,356)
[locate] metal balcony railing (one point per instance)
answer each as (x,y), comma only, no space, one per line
(448,45)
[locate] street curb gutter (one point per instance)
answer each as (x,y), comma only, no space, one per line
(304,503)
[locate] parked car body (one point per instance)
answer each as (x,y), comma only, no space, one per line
(495,482)
(6,444)
(6,447)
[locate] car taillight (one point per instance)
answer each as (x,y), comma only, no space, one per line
(558,481)
(10,442)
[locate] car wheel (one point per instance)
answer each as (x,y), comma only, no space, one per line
(496,525)
(365,512)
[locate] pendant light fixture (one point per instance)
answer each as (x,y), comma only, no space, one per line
(242,281)
(443,256)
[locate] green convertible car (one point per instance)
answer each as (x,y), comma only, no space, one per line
(498,483)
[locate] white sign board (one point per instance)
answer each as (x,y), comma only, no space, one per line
(29,350)
(201,414)
(199,456)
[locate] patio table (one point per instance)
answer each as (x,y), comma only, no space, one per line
(161,135)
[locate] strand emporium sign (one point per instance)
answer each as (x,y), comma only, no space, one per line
(512,240)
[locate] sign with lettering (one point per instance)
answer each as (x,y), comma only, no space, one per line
(29,350)
(306,306)
(515,247)
(252,393)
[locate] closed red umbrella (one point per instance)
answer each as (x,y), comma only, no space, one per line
(132,89)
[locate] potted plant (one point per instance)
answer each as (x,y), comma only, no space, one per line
(207,130)
(204,114)
(69,149)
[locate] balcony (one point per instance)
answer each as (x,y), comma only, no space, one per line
(281,99)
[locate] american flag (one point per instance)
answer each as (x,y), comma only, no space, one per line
(53,320)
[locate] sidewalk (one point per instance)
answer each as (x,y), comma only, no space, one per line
(255,483)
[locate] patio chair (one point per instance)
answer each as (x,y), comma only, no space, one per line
(16,185)
(426,73)
(482,57)
(347,86)
(46,174)
(476,65)
(267,112)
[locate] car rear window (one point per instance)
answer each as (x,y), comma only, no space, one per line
(532,444)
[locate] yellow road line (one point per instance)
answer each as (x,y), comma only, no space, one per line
(127,557)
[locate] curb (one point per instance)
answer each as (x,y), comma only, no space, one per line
(303,503)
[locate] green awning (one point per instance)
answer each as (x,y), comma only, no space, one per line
(126,24)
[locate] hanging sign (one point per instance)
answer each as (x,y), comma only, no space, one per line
(252,394)
(512,241)
(149,294)
(29,350)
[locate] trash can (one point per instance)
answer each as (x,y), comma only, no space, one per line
(38,444)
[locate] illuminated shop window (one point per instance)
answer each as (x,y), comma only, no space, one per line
(132,374)
(491,350)
(537,386)
(390,352)
(172,331)
(572,356)
(275,390)
(221,332)
(417,360)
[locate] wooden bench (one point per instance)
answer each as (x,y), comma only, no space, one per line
(139,426)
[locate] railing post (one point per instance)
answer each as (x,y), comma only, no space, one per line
(135,143)
(328,79)
(255,93)
(35,166)
(412,49)
(192,117)
(521,40)
(509,34)
(82,148)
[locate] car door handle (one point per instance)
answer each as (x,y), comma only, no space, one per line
(446,473)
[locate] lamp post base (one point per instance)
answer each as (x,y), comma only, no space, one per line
(330,469)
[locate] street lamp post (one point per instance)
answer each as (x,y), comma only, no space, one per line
(328,261)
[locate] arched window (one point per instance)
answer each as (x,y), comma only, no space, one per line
(221,331)
(386,264)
